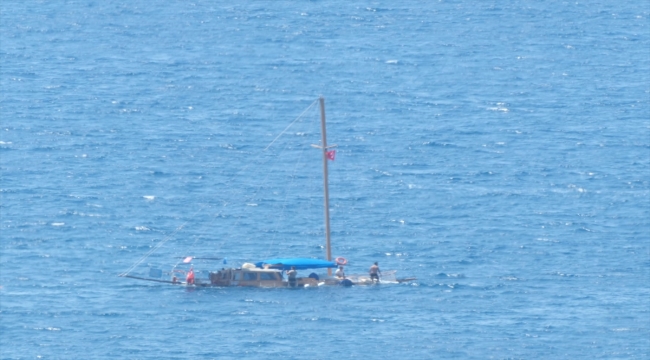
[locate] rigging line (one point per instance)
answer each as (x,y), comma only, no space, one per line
(265,181)
(161,243)
(263,158)
(287,128)
(208,225)
(182,259)
(250,164)
(169,237)
(296,170)
(286,198)
(287,146)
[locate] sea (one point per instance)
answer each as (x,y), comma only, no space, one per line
(496,151)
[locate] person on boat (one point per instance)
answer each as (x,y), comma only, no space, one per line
(339,273)
(375,272)
(190,277)
(292,276)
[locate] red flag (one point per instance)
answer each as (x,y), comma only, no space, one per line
(331,154)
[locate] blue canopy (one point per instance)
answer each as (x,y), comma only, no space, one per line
(299,263)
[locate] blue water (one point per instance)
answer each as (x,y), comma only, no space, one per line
(498,151)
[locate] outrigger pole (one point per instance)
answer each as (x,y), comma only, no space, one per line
(325,183)
(148,279)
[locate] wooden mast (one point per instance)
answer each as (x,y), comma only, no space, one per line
(325,183)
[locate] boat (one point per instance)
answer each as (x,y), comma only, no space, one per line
(271,273)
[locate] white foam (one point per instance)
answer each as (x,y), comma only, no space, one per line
(502,109)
